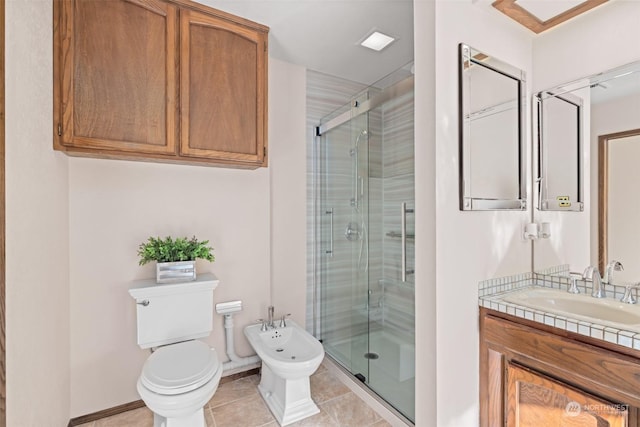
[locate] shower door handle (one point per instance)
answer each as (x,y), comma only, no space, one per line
(403,243)
(330,251)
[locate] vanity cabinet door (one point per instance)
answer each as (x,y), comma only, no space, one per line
(115,78)
(535,400)
(223,89)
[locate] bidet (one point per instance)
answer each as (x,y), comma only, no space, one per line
(289,356)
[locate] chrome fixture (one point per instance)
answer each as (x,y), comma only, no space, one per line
(628,296)
(612,266)
(574,277)
(270,311)
(403,243)
(263,328)
(352,232)
(283,321)
(358,184)
(592,273)
(330,250)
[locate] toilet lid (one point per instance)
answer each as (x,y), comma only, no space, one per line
(179,368)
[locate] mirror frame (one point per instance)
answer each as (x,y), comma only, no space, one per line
(466,55)
(544,203)
(603,191)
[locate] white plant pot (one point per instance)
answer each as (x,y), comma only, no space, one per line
(172,272)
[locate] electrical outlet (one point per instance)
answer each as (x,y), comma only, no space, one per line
(563,201)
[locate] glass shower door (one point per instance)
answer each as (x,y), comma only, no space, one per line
(365,226)
(391,354)
(342,223)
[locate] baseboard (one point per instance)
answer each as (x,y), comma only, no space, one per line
(106,413)
(139,403)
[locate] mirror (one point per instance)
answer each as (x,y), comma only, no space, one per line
(492,139)
(611,112)
(560,171)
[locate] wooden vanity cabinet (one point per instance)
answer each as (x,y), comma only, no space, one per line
(536,375)
(159,80)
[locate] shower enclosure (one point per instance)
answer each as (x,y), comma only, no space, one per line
(364,234)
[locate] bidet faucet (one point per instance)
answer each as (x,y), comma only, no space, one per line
(597,290)
(612,266)
(270,311)
(628,296)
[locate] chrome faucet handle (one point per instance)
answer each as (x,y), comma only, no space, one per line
(263,328)
(283,322)
(628,296)
(574,277)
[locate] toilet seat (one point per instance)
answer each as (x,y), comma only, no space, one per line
(179,368)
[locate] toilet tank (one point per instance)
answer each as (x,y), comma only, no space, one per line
(170,313)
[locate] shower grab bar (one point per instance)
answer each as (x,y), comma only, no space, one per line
(395,235)
(403,236)
(330,251)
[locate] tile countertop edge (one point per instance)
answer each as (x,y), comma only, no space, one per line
(492,292)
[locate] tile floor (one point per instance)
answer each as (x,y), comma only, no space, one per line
(238,404)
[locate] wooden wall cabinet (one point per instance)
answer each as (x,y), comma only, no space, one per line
(535,375)
(159,80)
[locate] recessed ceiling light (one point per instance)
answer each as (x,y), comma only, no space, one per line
(377,41)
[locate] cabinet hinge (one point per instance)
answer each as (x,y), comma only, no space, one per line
(59,129)
(265,151)
(265,46)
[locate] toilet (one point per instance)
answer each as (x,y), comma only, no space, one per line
(182,373)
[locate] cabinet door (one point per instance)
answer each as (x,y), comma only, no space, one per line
(223,89)
(117,86)
(534,400)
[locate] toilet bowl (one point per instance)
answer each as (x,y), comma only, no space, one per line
(177,381)
(289,356)
(182,373)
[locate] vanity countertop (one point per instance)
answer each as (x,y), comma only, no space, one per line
(509,295)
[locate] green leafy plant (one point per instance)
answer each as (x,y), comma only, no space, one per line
(169,250)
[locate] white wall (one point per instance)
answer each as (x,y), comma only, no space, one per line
(37,240)
(470,246)
(598,41)
(425,213)
(115,205)
(288,173)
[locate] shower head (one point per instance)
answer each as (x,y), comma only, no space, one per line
(364,132)
(353,151)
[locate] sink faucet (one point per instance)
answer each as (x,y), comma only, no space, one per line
(628,296)
(612,266)
(593,274)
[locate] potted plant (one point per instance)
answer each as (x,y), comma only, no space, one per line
(175,259)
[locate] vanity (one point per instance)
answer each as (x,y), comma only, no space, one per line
(544,368)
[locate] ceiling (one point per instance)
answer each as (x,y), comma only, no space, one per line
(324,35)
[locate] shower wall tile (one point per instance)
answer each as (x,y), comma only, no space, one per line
(375,144)
(398,125)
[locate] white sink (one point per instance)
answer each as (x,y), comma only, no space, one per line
(603,311)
